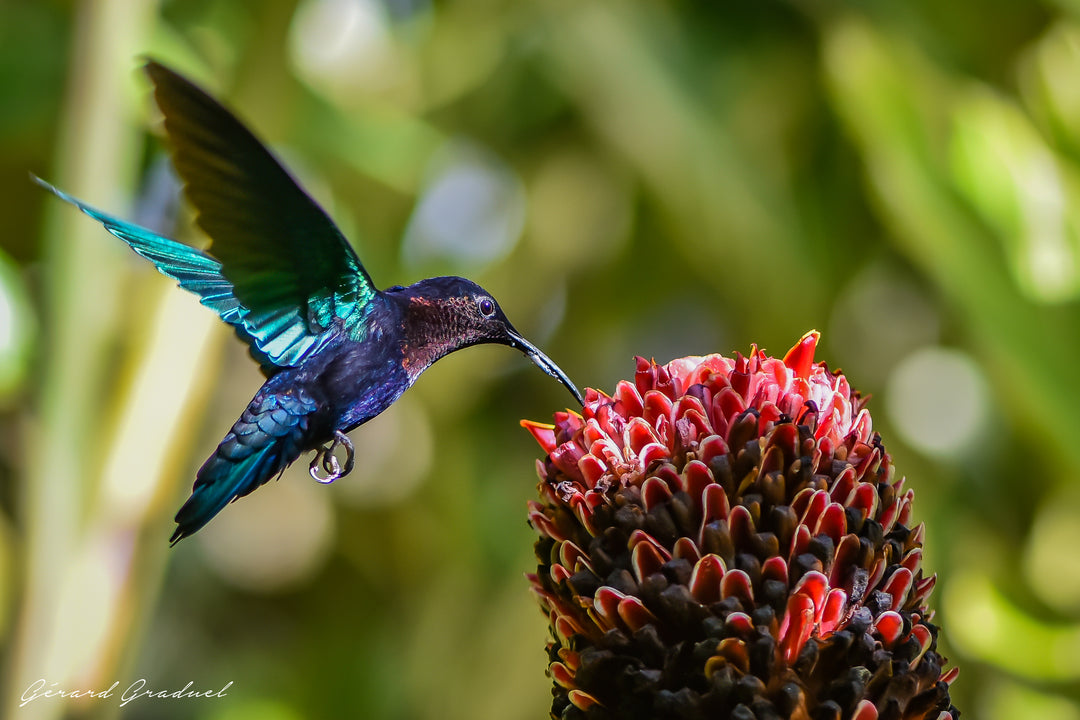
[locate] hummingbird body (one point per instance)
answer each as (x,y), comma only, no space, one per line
(297,410)
(336,350)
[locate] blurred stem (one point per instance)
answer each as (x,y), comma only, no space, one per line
(888,93)
(96,151)
(613,61)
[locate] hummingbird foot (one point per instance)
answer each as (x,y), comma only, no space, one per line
(326,460)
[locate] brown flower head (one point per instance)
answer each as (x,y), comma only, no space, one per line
(725,538)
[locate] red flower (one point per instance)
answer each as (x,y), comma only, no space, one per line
(725,538)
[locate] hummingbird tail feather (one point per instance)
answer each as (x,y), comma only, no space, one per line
(273,431)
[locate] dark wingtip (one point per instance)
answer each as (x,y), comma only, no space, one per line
(154,69)
(157,72)
(43,183)
(63,195)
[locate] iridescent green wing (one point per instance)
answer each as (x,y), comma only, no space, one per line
(291,270)
(193,269)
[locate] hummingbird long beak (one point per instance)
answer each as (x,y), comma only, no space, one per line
(544,363)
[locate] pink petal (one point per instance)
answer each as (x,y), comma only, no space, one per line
(786,438)
(559,573)
(634,613)
(801,501)
(865,497)
(740,623)
(814,585)
(818,502)
(888,515)
(697,477)
(654,492)
(865,710)
(671,477)
(657,405)
(645,560)
(645,375)
(591,470)
(889,625)
(742,526)
(923,589)
(726,406)
(543,434)
(706,578)
(566,457)
(561,675)
(566,628)
(922,635)
(736,583)
(686,549)
(904,517)
(627,400)
(833,613)
(570,555)
(800,358)
(800,541)
(796,627)
(898,585)
(653,452)
(918,535)
(606,602)
(712,447)
(640,536)
(638,434)
(847,554)
(581,700)
(583,512)
(843,486)
(714,503)
(775,568)
(832,522)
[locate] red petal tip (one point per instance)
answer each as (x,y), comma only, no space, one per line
(865,710)
(542,432)
(581,700)
(800,358)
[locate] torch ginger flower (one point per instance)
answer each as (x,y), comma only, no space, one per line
(724,538)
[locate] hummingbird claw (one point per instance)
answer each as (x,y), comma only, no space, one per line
(326,460)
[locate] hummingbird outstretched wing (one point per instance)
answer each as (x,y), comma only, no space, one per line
(291,271)
(193,269)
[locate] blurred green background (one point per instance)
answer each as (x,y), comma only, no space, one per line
(660,179)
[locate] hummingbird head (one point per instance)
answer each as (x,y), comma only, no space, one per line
(445,314)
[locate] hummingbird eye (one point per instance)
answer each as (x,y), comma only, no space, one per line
(486,306)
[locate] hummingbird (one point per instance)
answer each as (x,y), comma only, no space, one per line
(336,351)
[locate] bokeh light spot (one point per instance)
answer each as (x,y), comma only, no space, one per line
(881,316)
(342,45)
(17,327)
(275,538)
(986,625)
(471,212)
(1052,563)
(937,399)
